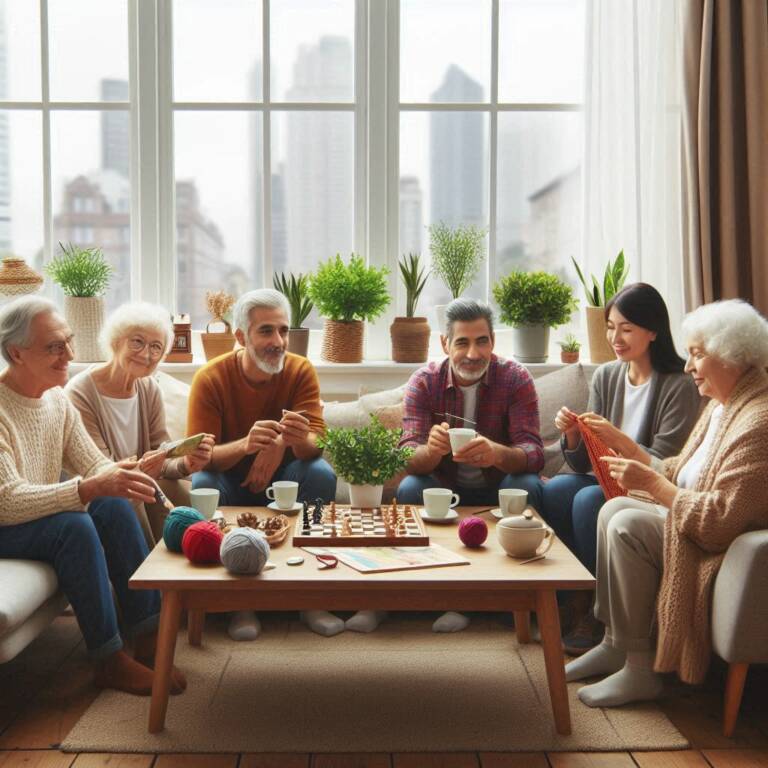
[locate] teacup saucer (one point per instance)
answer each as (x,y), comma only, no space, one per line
(294,510)
(449,518)
(499,515)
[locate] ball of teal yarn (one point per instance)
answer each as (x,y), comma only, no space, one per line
(178,520)
(244,551)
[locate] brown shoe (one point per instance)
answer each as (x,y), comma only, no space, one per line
(587,633)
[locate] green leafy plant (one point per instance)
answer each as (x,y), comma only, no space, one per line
(414,279)
(350,291)
(613,281)
(367,455)
(296,290)
(80,271)
(570,343)
(457,255)
(534,298)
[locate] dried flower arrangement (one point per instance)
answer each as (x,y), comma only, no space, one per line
(219,304)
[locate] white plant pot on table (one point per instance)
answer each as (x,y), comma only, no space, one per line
(365,496)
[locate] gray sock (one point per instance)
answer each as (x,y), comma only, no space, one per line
(244,626)
(603,659)
(323,623)
(450,622)
(365,621)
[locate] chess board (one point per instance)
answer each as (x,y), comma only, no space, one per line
(368,529)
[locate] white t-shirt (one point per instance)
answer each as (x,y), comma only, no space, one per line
(635,407)
(689,473)
(125,413)
(466,476)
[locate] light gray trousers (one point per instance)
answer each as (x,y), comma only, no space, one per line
(630,542)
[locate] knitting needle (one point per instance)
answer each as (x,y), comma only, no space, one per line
(295,413)
(451,416)
(483,511)
(530,560)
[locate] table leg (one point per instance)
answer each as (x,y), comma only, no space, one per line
(549,627)
(170,614)
(195,625)
(523,626)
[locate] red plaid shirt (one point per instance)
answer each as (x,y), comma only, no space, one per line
(507,412)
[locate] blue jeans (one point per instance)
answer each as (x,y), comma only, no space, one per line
(315,477)
(571,504)
(411,488)
(88,550)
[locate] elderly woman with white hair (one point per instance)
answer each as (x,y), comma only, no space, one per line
(83,526)
(122,407)
(657,561)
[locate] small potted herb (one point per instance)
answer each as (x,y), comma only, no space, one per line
(410,334)
(569,349)
(295,288)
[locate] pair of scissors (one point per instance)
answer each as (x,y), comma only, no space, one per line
(326,562)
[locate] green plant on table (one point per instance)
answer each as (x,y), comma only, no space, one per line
(414,279)
(613,281)
(295,288)
(534,298)
(457,255)
(368,455)
(570,343)
(81,272)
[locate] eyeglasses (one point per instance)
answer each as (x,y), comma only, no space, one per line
(59,348)
(137,344)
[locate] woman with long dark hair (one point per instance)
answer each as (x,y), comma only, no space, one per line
(643,398)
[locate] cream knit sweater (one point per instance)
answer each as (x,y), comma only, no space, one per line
(38,438)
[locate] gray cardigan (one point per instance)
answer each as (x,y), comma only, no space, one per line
(673,407)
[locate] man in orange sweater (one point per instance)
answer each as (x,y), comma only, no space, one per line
(263,406)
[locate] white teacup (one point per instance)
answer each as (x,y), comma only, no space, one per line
(283,493)
(460,436)
(205,501)
(437,501)
(512,501)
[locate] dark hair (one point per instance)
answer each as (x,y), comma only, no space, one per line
(643,305)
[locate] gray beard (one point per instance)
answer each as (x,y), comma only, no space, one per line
(263,365)
(467,376)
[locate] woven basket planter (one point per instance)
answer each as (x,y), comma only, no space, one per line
(298,341)
(410,339)
(342,341)
(18,278)
(600,351)
(85,315)
(216,344)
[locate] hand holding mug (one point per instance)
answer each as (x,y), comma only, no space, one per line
(478,452)
(438,441)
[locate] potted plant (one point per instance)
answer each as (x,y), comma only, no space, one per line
(83,275)
(600,350)
(366,457)
(347,295)
(569,349)
(410,334)
(296,290)
(457,255)
(215,343)
(532,303)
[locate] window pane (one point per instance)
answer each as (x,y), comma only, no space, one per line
(444,172)
(88,46)
(19,50)
(539,193)
(445,50)
(21,186)
(312,45)
(218,206)
(217,50)
(92,195)
(541,51)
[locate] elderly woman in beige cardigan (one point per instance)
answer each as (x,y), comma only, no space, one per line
(656,562)
(122,407)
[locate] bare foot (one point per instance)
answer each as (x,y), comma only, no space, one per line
(144,648)
(122,673)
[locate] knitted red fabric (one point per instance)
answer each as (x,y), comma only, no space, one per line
(201,542)
(595,449)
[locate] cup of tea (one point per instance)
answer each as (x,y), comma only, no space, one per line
(205,501)
(283,493)
(460,436)
(437,501)
(512,501)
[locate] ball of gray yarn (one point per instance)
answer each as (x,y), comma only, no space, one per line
(244,550)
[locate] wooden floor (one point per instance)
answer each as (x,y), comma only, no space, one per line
(44,691)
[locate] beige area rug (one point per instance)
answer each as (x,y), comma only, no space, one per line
(401,688)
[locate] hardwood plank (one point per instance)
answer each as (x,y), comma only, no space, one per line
(276,760)
(737,758)
(687,758)
(196,761)
(590,760)
(44,759)
(372,760)
(513,760)
(95,760)
(435,760)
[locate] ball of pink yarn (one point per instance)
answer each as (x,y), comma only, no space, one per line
(473,531)
(201,542)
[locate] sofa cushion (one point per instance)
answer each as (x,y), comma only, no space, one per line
(27,584)
(175,395)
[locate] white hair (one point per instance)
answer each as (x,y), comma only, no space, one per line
(261,298)
(138,315)
(16,321)
(733,331)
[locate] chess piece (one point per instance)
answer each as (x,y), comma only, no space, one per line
(305,518)
(333,512)
(346,525)
(334,532)
(317,513)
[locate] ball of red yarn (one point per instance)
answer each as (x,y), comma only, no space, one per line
(201,542)
(472,531)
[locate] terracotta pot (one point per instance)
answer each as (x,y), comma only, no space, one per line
(410,339)
(600,350)
(342,341)
(569,357)
(85,315)
(298,341)
(217,344)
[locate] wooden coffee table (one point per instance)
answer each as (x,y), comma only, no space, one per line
(492,582)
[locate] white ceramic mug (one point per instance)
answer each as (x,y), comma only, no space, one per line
(460,436)
(437,501)
(205,501)
(283,493)
(512,501)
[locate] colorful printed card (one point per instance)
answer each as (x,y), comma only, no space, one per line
(383,559)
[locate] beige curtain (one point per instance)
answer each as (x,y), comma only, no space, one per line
(725,151)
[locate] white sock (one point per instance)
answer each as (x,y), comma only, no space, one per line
(635,681)
(450,622)
(244,626)
(323,623)
(365,621)
(603,659)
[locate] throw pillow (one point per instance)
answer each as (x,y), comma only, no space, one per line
(175,394)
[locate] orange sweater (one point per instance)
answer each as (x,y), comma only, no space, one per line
(225,404)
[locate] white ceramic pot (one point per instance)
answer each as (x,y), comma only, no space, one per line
(440,317)
(524,536)
(365,496)
(530,343)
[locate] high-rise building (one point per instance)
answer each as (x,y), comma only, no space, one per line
(5,160)
(115,128)
(411,219)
